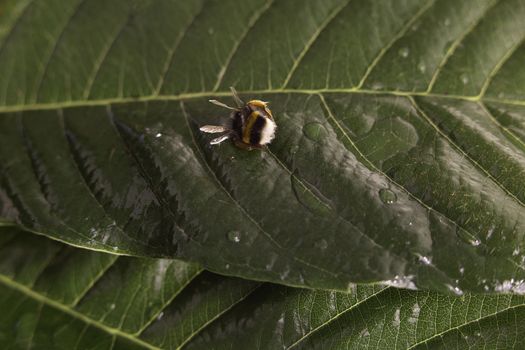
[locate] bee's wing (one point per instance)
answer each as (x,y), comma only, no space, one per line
(220,139)
(236,97)
(213,129)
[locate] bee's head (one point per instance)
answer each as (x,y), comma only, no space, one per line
(257,103)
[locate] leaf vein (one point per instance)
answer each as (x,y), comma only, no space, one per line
(329,19)
(9,283)
(336,316)
(464,324)
(258,15)
(391,43)
(452,49)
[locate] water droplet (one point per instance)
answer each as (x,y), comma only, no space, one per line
(157,135)
(387,196)
(404,52)
(160,315)
(234,236)
(464,78)
(210,31)
(112,306)
(454,289)
(467,237)
(415,314)
(446,22)
(401,282)
(93,232)
(309,197)
(377,86)
(321,244)
(227,266)
(422,67)
(462,270)
(517,287)
(425,260)
(397,320)
(364,333)
(284,274)
(515,251)
(315,131)
(490,231)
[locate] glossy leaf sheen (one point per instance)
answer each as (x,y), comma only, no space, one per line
(57,296)
(399,156)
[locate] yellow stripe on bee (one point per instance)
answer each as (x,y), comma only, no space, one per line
(249,125)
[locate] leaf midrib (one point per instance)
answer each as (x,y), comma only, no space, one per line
(203,94)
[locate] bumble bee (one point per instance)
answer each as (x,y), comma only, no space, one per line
(251,125)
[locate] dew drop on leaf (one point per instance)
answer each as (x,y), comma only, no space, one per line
(315,131)
(464,78)
(422,67)
(475,242)
(387,196)
(425,260)
(467,237)
(404,52)
(294,149)
(454,289)
(321,244)
(377,86)
(397,320)
(234,236)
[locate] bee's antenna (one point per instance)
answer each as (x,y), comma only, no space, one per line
(236,97)
(218,103)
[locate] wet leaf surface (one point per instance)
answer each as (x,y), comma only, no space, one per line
(54,295)
(399,155)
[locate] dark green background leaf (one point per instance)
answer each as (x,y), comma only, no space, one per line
(399,156)
(56,296)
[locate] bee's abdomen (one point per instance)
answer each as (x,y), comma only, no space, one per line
(256,130)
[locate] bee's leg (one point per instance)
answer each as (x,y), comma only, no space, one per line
(247,146)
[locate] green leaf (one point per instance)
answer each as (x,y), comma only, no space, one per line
(55,296)
(399,155)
